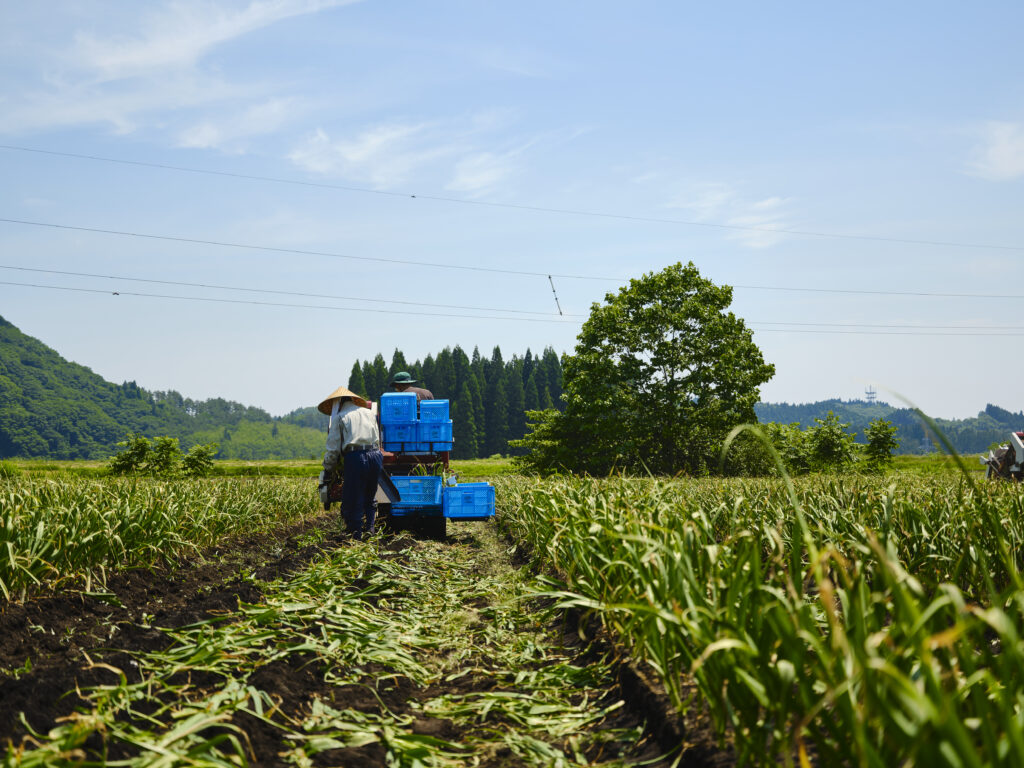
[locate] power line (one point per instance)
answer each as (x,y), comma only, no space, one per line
(887,333)
(515,319)
(273,249)
(280,293)
(892,325)
(278,304)
(438,265)
(515,206)
(866,292)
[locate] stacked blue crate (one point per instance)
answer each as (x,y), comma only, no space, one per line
(403,432)
(434,410)
(420,495)
(468,501)
(435,436)
(398,421)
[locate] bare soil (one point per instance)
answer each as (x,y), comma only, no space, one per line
(47,643)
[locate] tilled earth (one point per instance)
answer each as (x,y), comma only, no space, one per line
(465,668)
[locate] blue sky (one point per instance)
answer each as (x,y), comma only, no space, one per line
(878,122)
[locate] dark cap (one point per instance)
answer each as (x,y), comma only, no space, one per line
(403,377)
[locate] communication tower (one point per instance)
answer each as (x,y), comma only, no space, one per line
(870,394)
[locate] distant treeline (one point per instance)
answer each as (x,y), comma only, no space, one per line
(968,436)
(489,396)
(53,408)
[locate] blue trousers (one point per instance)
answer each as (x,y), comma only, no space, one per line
(358,505)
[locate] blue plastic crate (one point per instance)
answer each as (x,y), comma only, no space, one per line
(417,492)
(469,501)
(434,410)
(397,407)
(434,435)
(400,437)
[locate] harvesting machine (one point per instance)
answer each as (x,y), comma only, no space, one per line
(418,489)
(1007,461)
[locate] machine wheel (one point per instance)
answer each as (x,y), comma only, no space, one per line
(434,527)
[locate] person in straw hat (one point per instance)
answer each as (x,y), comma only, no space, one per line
(353,434)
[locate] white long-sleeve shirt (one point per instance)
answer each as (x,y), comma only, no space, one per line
(354,425)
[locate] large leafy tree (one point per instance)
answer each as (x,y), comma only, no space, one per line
(661,372)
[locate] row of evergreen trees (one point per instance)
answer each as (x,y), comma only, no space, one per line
(489,397)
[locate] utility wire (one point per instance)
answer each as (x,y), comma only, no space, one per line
(438,265)
(518,207)
(918,332)
(273,249)
(280,293)
(279,304)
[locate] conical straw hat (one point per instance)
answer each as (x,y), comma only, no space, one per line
(325,406)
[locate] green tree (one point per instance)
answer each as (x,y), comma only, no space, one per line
(356,382)
(378,385)
(882,441)
(164,457)
(133,458)
(198,462)
(398,363)
(660,374)
(831,446)
(464,425)
(516,400)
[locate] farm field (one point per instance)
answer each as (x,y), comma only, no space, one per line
(287,645)
(834,621)
(840,620)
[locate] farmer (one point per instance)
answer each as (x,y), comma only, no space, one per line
(403,382)
(354,435)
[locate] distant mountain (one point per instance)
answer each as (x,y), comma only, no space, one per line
(967,435)
(53,408)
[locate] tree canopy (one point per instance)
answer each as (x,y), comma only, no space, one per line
(661,372)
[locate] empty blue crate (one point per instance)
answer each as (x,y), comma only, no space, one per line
(469,501)
(400,437)
(397,407)
(434,410)
(435,435)
(419,493)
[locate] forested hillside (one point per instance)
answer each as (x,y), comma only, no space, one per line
(53,408)
(967,435)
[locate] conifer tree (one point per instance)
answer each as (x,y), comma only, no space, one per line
(426,373)
(398,363)
(496,404)
(368,378)
(356,382)
(531,397)
(444,376)
(476,392)
(464,425)
(516,399)
(460,363)
(380,378)
(551,366)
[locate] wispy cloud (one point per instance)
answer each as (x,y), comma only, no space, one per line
(227,132)
(152,72)
(182,33)
(479,172)
(382,156)
(999,155)
(459,154)
(721,203)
